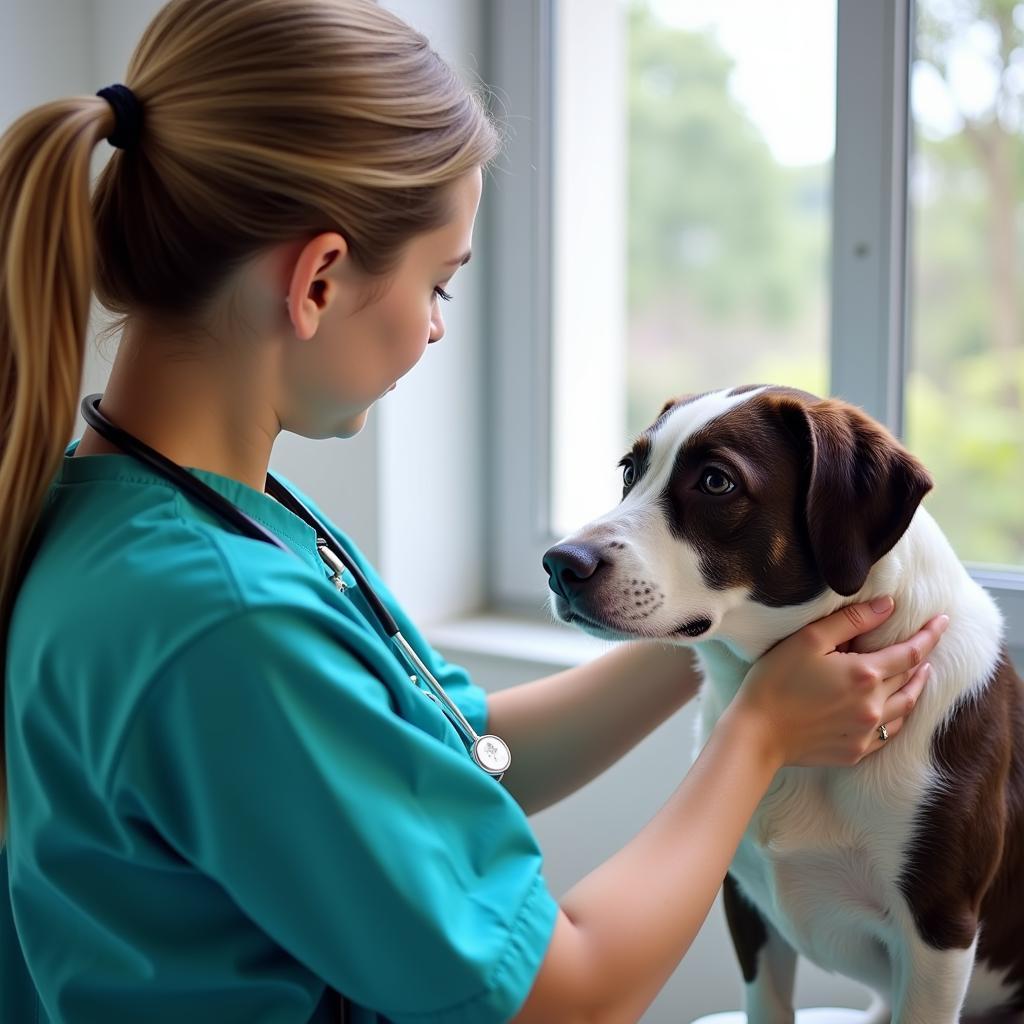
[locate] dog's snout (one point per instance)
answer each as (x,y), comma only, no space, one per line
(570,567)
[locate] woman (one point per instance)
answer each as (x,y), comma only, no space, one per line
(227,802)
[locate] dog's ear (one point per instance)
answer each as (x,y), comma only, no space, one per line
(863,488)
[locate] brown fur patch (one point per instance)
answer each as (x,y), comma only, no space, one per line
(837,488)
(864,488)
(755,536)
(746,926)
(966,862)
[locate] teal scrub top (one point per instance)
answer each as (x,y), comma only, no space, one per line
(225,794)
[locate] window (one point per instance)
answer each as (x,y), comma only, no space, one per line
(739,193)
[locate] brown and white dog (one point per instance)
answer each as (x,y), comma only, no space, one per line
(745,515)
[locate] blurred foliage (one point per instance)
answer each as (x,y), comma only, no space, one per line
(728,251)
(965,397)
(729,257)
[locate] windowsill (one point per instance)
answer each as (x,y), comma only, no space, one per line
(517,637)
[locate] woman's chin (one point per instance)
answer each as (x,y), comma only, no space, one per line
(351,426)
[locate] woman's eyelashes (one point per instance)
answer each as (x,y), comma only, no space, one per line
(442,294)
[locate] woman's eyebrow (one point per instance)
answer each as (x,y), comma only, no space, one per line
(460,261)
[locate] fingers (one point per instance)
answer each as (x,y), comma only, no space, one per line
(826,634)
(895,683)
(896,709)
(903,700)
(907,656)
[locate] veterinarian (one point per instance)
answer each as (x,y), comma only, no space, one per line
(231,796)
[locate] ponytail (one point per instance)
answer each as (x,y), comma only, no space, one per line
(46,279)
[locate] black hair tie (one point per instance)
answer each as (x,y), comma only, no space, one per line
(127,116)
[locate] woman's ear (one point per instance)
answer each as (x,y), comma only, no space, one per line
(863,488)
(311,289)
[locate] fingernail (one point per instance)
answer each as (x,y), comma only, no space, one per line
(943,621)
(881,604)
(926,670)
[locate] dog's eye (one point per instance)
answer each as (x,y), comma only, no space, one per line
(628,474)
(715,482)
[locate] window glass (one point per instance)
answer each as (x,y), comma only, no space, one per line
(965,389)
(731,134)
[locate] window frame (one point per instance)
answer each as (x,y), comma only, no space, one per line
(870,321)
(520,260)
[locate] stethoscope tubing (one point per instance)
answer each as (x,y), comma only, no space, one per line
(481,747)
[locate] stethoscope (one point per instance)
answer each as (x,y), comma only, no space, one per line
(489,752)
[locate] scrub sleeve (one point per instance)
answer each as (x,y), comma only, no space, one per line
(381,859)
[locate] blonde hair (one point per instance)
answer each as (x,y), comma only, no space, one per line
(263,121)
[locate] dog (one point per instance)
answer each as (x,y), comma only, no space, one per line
(746,514)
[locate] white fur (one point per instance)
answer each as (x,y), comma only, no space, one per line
(824,849)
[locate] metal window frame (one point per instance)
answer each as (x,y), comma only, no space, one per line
(869,211)
(520,260)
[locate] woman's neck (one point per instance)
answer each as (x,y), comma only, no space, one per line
(210,414)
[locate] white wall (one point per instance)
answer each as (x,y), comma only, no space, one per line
(45,53)
(432,459)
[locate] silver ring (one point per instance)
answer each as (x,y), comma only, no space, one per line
(883,733)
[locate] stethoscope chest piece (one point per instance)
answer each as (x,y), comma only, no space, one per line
(492,754)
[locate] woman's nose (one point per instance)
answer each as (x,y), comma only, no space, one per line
(436,328)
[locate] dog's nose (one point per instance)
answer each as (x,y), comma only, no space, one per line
(570,567)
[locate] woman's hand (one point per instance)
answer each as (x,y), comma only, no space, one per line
(820,705)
